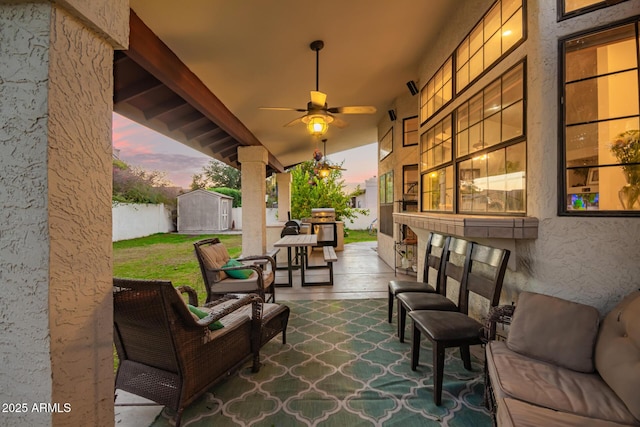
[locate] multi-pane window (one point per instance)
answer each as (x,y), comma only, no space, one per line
(482,167)
(386,144)
(494,182)
(601,165)
(435,148)
(570,8)
(437,92)
(497,32)
(492,116)
(437,190)
(386,203)
(410,133)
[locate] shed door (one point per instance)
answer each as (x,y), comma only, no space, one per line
(224,214)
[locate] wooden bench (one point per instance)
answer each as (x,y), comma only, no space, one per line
(329,255)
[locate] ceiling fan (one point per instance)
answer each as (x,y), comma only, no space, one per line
(323,167)
(318,114)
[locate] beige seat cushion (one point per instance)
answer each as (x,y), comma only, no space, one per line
(551,386)
(516,413)
(554,330)
(213,257)
(230,285)
(618,351)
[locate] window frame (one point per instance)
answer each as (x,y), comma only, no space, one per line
(562,15)
(562,157)
(404,131)
(423,104)
(386,139)
(456,159)
(497,61)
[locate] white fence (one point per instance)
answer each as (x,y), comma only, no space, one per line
(139,220)
(360,222)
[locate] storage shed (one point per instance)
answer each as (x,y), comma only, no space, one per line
(202,211)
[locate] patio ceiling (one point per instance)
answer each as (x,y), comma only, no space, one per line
(253,54)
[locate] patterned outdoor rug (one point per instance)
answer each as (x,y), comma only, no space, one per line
(342,366)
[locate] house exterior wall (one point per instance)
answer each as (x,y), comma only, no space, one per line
(405,106)
(589,260)
(56,87)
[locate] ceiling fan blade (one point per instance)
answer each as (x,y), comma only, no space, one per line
(354,109)
(318,99)
(339,123)
(294,122)
(283,109)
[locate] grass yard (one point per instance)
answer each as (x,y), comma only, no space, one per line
(170,256)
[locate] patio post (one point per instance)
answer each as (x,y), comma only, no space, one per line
(254,161)
(283,181)
(56,104)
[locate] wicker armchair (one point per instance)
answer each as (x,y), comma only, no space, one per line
(168,356)
(212,256)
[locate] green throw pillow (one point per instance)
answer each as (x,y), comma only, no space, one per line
(202,314)
(237,274)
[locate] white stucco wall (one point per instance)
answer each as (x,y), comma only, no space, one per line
(139,220)
(589,260)
(25,371)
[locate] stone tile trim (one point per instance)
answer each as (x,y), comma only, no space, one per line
(472,226)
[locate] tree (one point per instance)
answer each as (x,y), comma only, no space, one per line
(309,191)
(136,185)
(217,174)
(231,192)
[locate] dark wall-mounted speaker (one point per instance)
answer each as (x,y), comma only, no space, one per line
(392,115)
(412,87)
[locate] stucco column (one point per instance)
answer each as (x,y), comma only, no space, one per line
(283,181)
(254,187)
(56,312)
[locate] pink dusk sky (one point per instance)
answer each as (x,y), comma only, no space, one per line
(143,147)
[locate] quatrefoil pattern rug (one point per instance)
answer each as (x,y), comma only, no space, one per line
(342,366)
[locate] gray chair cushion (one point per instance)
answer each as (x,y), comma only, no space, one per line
(447,325)
(426,301)
(400,286)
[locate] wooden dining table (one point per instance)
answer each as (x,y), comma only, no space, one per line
(300,242)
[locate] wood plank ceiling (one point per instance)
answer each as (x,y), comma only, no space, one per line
(154,88)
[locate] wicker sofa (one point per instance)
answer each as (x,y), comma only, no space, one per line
(168,355)
(561,366)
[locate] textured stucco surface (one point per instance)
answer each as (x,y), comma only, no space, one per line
(589,260)
(79,174)
(109,18)
(25,369)
(55,238)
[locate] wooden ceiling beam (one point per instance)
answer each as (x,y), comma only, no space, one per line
(147,50)
(136,89)
(167,106)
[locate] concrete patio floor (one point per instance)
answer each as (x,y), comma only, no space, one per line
(359,273)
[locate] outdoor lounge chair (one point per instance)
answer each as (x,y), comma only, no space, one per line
(213,258)
(168,356)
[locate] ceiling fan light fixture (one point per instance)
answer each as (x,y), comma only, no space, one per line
(317,124)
